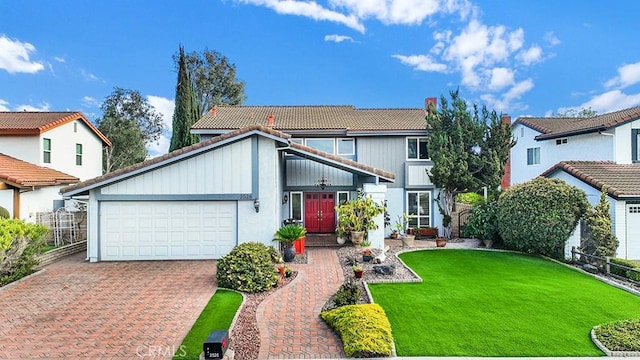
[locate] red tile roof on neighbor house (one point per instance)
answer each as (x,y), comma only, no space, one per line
(321,117)
(38,122)
(227,136)
(622,180)
(23,174)
(552,128)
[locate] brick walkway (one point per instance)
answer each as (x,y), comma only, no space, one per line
(121,310)
(289,322)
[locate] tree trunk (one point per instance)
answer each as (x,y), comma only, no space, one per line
(449,198)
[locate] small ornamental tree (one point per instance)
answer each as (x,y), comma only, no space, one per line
(601,240)
(538,216)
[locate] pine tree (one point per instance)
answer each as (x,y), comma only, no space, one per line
(603,241)
(186,111)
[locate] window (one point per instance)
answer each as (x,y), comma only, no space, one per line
(521,132)
(635,140)
(298,141)
(296,205)
(46,151)
(419,208)
(417,149)
(78,154)
(533,156)
(561,141)
(75,127)
(346,147)
(325,145)
(343,197)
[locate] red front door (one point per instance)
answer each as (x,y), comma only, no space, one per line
(319,212)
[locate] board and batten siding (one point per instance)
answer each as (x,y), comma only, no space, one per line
(302,172)
(225,170)
(386,153)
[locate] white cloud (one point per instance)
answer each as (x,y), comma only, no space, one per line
(309,9)
(406,12)
(611,101)
(338,38)
(14,57)
(551,39)
(161,147)
(500,78)
(3,105)
(421,63)
(628,75)
(531,55)
(509,101)
(164,107)
(59,59)
(88,76)
(88,101)
(42,107)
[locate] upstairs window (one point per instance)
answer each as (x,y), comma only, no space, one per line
(46,151)
(533,156)
(635,149)
(346,147)
(325,145)
(561,141)
(78,154)
(417,148)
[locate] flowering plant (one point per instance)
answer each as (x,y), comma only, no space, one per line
(367,251)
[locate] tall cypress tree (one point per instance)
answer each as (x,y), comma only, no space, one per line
(186,111)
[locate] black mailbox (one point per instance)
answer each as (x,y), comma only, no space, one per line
(216,344)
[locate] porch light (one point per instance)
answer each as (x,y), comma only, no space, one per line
(256,205)
(285,199)
(323,182)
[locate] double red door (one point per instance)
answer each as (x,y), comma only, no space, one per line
(319,212)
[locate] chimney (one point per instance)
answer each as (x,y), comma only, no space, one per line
(430,101)
(213,111)
(506,178)
(270,120)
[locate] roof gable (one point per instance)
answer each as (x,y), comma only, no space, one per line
(622,180)
(22,174)
(38,122)
(296,118)
(559,127)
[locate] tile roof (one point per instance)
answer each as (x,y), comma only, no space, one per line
(551,127)
(344,117)
(37,122)
(20,173)
(230,135)
(622,180)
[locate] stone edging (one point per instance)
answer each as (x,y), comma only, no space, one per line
(605,350)
(15,283)
(56,254)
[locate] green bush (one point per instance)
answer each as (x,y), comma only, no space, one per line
(600,239)
(4,213)
(483,222)
(249,267)
(620,335)
(539,216)
(364,329)
(348,294)
(470,198)
(19,244)
(629,274)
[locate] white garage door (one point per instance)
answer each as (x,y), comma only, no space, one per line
(633,231)
(167,230)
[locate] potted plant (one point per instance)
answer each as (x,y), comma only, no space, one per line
(357,271)
(281,269)
(429,232)
(286,236)
(357,215)
(441,241)
(343,230)
(367,255)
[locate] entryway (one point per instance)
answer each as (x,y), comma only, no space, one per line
(319,212)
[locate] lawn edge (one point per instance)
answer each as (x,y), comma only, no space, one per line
(606,350)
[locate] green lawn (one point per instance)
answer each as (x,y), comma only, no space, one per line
(217,315)
(481,303)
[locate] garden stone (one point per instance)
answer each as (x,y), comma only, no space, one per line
(385,269)
(590,268)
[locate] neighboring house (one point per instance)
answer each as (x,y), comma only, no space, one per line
(29,186)
(588,153)
(254,167)
(63,141)
(623,190)
(544,142)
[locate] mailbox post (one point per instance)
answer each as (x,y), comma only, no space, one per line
(216,344)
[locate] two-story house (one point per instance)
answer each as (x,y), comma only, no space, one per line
(588,153)
(255,167)
(45,151)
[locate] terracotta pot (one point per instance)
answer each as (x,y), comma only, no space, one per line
(393,236)
(441,242)
(357,237)
(358,274)
(282,270)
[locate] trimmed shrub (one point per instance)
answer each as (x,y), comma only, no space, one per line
(600,239)
(620,335)
(538,216)
(4,213)
(20,242)
(364,329)
(470,198)
(348,294)
(483,222)
(249,267)
(629,274)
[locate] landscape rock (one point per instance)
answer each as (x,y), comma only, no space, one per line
(590,268)
(385,269)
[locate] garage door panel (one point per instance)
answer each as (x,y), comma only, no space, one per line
(167,230)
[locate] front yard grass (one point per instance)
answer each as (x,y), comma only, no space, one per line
(217,315)
(481,303)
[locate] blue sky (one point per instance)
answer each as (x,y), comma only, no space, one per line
(518,57)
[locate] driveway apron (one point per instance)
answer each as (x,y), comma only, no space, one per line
(289,322)
(109,310)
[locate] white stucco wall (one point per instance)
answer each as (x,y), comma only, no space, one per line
(623,145)
(39,200)
(27,148)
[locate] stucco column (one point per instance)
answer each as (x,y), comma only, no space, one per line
(378,194)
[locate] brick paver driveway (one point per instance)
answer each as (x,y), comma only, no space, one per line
(73,309)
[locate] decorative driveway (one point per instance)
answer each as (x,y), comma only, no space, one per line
(110,310)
